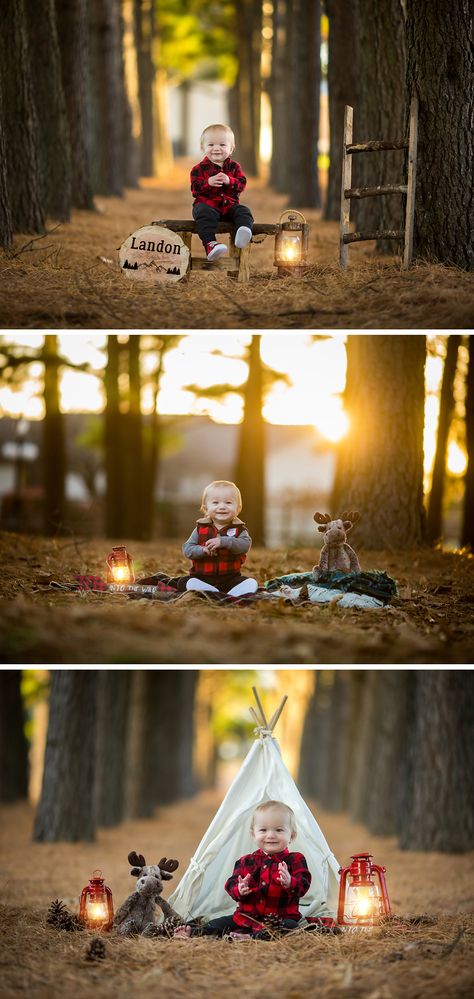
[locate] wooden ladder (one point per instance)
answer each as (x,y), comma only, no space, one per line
(348,192)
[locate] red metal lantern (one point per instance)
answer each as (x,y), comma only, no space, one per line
(96,908)
(120,566)
(363,896)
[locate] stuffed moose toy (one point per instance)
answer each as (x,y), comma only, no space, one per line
(336,554)
(137,914)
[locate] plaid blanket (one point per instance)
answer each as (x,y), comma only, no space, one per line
(372,583)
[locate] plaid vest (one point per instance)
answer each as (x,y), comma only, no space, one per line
(225,562)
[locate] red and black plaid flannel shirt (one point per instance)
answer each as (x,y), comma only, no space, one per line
(223,197)
(268,896)
(225,562)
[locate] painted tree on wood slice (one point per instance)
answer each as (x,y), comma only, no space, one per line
(380,112)
(66,807)
(439,806)
(13,744)
(54,152)
(380,464)
(18,106)
(304,83)
(467,533)
(440,71)
(343,82)
(73,34)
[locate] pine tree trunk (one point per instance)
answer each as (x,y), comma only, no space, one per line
(380,465)
(66,808)
(20,140)
(440,806)
(394,688)
(380,112)
(434,525)
(54,151)
(359,790)
(113,689)
(54,457)
(134,444)
(279,169)
(467,533)
(440,72)
(107,80)
(305,80)
(13,744)
(337,757)
(73,35)
(5,214)
(250,464)
(114,450)
(144,26)
(342,87)
(248,29)
(316,741)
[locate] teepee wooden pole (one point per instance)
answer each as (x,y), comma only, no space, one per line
(256,718)
(260,708)
(275,717)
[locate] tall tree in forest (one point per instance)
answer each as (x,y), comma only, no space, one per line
(467,531)
(250,461)
(248,32)
(439,806)
(342,89)
(54,456)
(5,214)
(316,738)
(66,808)
(73,35)
(113,691)
(380,463)
(384,781)
(305,78)
(279,99)
(13,743)
(107,87)
(155,149)
(54,151)
(440,70)
(133,483)
(113,440)
(159,345)
(434,528)
(380,112)
(20,141)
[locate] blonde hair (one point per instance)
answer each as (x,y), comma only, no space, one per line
(211,128)
(217,484)
(265,805)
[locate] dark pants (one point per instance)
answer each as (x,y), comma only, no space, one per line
(225,924)
(207,218)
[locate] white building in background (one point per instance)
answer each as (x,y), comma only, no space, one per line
(191,107)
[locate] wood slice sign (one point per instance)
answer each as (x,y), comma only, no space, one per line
(154,253)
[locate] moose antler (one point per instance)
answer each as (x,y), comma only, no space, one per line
(168,865)
(322,518)
(136,859)
(352,515)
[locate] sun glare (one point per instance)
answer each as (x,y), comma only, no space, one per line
(457,461)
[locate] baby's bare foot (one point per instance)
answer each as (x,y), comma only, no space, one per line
(239,936)
(182,933)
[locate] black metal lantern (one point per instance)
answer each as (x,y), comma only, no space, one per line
(291,243)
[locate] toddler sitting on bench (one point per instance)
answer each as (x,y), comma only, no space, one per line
(216,183)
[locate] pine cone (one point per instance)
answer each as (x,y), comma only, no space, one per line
(274,925)
(61,917)
(167,927)
(96,950)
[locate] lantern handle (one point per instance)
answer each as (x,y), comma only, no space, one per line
(292,211)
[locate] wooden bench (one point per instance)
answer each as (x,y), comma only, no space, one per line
(237,263)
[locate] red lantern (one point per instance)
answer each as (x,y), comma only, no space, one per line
(120,566)
(96,908)
(362,900)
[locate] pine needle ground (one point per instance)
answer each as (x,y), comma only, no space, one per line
(403,960)
(70,278)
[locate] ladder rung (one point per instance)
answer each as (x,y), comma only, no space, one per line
(377,145)
(372,192)
(359,237)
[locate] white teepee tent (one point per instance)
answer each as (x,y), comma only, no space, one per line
(263,776)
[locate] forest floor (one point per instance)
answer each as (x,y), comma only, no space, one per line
(401,960)
(70,279)
(431,621)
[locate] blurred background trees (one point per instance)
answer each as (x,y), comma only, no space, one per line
(392,748)
(113,90)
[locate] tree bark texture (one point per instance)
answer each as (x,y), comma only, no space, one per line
(107,104)
(305,79)
(5,214)
(467,533)
(66,808)
(114,450)
(363,748)
(13,743)
(390,729)
(434,520)
(250,464)
(73,34)
(54,151)
(440,71)
(248,28)
(439,812)
(20,123)
(342,88)
(278,86)
(335,790)
(54,456)
(134,442)
(380,111)
(380,465)
(316,738)
(144,27)
(113,690)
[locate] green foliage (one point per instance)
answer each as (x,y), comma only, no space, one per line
(197,39)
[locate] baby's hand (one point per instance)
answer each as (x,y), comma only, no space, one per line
(212,545)
(243,885)
(284,875)
(218,179)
